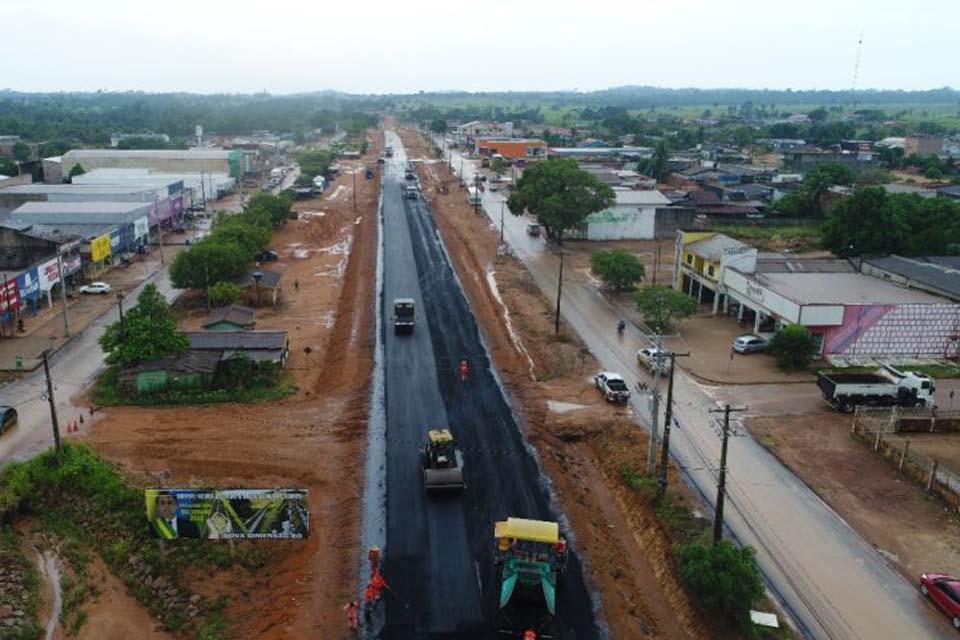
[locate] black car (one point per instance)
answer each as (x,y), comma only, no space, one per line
(8,418)
(267,256)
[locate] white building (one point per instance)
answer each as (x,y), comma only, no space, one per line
(481,129)
(632,217)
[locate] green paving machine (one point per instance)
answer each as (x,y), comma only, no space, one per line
(530,556)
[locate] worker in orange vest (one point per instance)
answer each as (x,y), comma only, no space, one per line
(373,556)
(352,609)
(464,370)
(371,594)
(529,634)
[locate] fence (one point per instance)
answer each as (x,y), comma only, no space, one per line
(879,428)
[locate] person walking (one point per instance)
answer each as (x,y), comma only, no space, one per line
(352,611)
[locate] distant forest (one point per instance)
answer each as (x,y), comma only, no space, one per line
(63,119)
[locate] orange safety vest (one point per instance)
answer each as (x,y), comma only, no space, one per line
(530,634)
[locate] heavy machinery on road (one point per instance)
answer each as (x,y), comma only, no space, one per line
(441,470)
(884,388)
(530,556)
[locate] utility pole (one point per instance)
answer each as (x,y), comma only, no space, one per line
(656,263)
(654,411)
(53,405)
(503,203)
(63,293)
(665,448)
(476,186)
(722,476)
(556,318)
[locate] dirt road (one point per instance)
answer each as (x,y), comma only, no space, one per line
(314,439)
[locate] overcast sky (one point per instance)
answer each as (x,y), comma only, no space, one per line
(399,46)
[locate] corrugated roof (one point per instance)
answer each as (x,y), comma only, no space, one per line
(842,289)
(936,276)
(255,340)
(713,248)
(165,154)
(783,263)
(638,197)
(41,232)
(40,188)
(80,207)
(269,279)
(234,314)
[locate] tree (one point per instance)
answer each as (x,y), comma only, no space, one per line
(863,224)
(560,195)
(225,293)
(148,331)
(933,173)
(498,166)
(619,269)
(277,208)
(796,204)
(21,152)
(722,578)
(75,170)
(208,262)
(439,125)
(251,238)
(9,168)
(793,347)
(658,164)
(660,306)
(818,115)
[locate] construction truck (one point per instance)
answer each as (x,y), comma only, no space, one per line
(886,387)
(441,470)
(530,557)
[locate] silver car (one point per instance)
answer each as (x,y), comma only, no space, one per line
(750,344)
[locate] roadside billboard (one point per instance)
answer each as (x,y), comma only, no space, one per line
(9,294)
(100,247)
(49,274)
(223,514)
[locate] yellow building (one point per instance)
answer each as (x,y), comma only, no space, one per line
(700,259)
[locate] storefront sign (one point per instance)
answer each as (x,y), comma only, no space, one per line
(100,247)
(755,292)
(48,274)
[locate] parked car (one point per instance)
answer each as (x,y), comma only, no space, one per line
(533,230)
(267,256)
(944,590)
(750,344)
(95,288)
(8,418)
(411,193)
(612,386)
(649,359)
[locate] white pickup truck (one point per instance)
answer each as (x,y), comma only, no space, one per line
(884,388)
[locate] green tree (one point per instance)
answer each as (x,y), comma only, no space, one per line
(619,270)
(225,293)
(863,224)
(75,170)
(21,152)
(818,115)
(793,347)
(208,262)
(498,166)
(438,125)
(660,306)
(147,331)
(933,173)
(722,578)
(796,204)
(9,168)
(560,195)
(251,238)
(658,164)
(277,208)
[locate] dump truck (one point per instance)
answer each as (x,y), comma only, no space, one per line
(530,556)
(885,387)
(404,317)
(438,458)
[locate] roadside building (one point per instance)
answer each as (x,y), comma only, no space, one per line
(192,369)
(895,188)
(12,197)
(173,161)
(939,275)
(198,185)
(259,346)
(636,215)
(479,129)
(601,153)
(923,145)
(854,317)
(514,149)
(32,259)
(233,317)
(260,288)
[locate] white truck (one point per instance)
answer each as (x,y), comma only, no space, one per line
(886,387)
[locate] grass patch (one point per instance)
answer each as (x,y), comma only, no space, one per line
(86,504)
(768,232)
(106,393)
(16,567)
(935,371)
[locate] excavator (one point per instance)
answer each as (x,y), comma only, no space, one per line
(441,469)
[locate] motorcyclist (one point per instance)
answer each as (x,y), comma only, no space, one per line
(621,326)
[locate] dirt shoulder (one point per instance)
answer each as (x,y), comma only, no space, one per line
(313,439)
(583,443)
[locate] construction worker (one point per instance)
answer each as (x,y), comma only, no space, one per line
(372,593)
(352,610)
(529,634)
(464,370)
(561,552)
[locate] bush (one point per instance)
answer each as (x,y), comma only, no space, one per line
(660,306)
(721,578)
(793,347)
(619,270)
(207,262)
(225,293)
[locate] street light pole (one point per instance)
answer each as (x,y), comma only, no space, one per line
(53,405)
(556,318)
(722,477)
(654,410)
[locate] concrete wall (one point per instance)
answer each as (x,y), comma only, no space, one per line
(670,220)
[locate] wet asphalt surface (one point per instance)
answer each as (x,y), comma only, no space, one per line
(438,557)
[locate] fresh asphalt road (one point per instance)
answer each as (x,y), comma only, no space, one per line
(832,582)
(438,553)
(72,369)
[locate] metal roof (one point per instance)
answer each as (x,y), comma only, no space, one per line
(942,277)
(713,248)
(640,197)
(233,314)
(40,188)
(165,154)
(842,289)
(41,232)
(257,340)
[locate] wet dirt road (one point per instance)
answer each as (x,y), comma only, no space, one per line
(438,554)
(830,581)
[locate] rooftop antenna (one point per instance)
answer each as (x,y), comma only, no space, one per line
(856,70)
